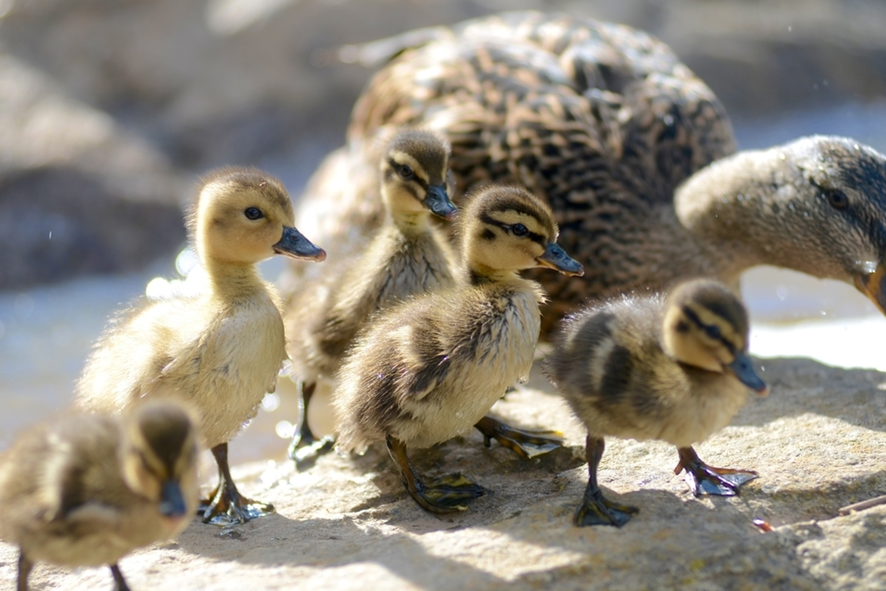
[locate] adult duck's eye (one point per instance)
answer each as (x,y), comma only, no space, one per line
(406,172)
(837,199)
(253,213)
(519,230)
(713,331)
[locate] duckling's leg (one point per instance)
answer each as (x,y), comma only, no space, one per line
(305,448)
(447,494)
(596,509)
(24,569)
(527,444)
(226,505)
(707,480)
(119,581)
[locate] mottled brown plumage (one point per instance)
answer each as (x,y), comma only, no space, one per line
(431,368)
(221,349)
(676,370)
(407,256)
(606,124)
(88,489)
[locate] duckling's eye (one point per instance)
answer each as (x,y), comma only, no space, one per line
(519,230)
(406,172)
(713,332)
(837,199)
(253,213)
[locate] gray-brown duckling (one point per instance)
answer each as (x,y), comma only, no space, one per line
(219,350)
(429,369)
(407,256)
(88,489)
(674,369)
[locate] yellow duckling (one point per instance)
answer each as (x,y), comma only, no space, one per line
(220,350)
(89,489)
(407,256)
(429,369)
(676,370)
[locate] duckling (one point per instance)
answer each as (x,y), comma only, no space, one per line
(619,137)
(407,256)
(220,350)
(428,369)
(674,369)
(89,489)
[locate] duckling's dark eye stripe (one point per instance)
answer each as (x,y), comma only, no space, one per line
(687,311)
(537,238)
(395,166)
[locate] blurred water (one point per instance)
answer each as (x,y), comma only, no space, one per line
(46,333)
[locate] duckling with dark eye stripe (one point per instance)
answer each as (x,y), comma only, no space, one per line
(409,255)
(431,368)
(675,370)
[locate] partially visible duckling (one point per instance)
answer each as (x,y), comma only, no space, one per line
(429,369)
(89,489)
(407,256)
(676,370)
(220,350)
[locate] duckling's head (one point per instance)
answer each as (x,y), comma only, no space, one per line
(415,175)
(159,458)
(509,229)
(706,326)
(243,216)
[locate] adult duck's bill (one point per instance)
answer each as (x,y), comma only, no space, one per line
(556,258)
(873,285)
(293,244)
(438,203)
(743,369)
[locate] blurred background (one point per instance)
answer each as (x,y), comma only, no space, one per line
(109,109)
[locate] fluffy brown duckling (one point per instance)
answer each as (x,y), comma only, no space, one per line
(88,489)
(219,350)
(674,369)
(606,124)
(407,256)
(431,368)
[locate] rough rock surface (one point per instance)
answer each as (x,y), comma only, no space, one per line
(818,442)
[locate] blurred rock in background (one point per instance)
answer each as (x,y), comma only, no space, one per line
(110,108)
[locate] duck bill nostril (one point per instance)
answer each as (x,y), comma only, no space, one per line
(556,258)
(743,369)
(873,285)
(438,203)
(172,502)
(294,245)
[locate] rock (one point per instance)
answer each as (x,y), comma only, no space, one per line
(817,441)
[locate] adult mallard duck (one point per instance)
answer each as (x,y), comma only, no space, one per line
(88,489)
(643,367)
(407,256)
(221,349)
(430,368)
(607,125)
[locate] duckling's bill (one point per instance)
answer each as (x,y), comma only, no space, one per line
(873,285)
(438,203)
(743,369)
(294,245)
(556,258)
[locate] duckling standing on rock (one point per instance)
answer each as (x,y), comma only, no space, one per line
(407,256)
(676,370)
(606,124)
(91,488)
(429,369)
(220,350)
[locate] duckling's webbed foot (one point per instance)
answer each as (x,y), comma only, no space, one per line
(707,480)
(446,494)
(226,506)
(119,581)
(305,448)
(525,443)
(595,509)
